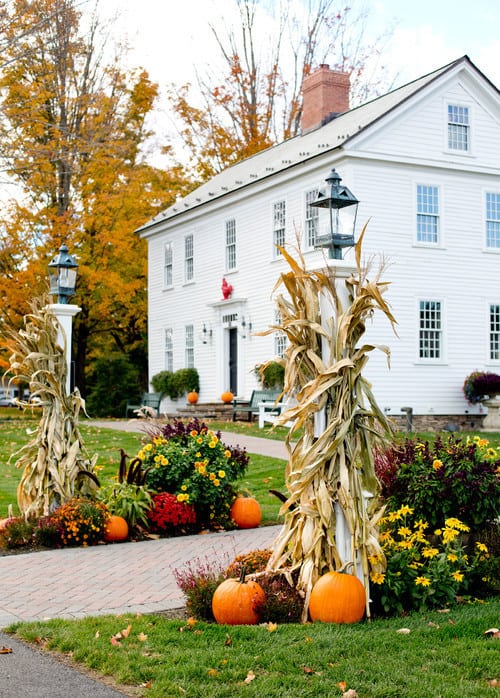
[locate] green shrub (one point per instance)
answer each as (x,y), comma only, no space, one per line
(426,569)
(175,384)
(271,375)
(128,500)
(18,533)
(111,384)
(81,521)
(449,478)
(190,461)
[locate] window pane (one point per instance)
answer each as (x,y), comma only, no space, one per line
(280,338)
(169,350)
(493,220)
(458,127)
(231,244)
(427,214)
(189,258)
(430,330)
(189,335)
(495,332)
(168,265)
(312,217)
(279,218)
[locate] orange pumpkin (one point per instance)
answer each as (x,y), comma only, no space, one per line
(337,597)
(227,396)
(116,529)
(238,602)
(246,512)
(192,397)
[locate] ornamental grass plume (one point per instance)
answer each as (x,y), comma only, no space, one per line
(337,465)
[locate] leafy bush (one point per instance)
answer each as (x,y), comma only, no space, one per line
(190,461)
(112,382)
(450,478)
(425,571)
(169,514)
(254,561)
(481,384)
(81,521)
(18,533)
(175,384)
(271,375)
(128,500)
(198,581)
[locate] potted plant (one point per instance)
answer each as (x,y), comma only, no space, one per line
(481,385)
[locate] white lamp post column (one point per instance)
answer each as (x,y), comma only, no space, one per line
(65,312)
(62,274)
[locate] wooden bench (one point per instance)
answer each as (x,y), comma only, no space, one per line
(152,400)
(251,407)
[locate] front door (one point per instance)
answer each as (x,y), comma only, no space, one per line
(233,360)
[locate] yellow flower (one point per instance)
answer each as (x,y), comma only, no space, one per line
(183,488)
(423,581)
(377,577)
(449,535)
(164,460)
(394,516)
(212,476)
(202,469)
(198,455)
(458,576)
(430,552)
(227,453)
(216,482)
(148,447)
(456,523)
(405,509)
(212,444)
(437,464)
(481,547)
(221,474)
(405,544)
(193,432)
(452,557)
(199,440)
(403,531)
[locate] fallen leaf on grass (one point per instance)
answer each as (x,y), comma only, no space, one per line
(97,634)
(115,641)
(404,631)
(494,683)
(148,684)
(432,625)
(351,693)
(308,670)
(272,627)
(228,640)
(342,685)
(126,631)
(492,632)
(212,672)
(250,677)
(6,650)
(142,637)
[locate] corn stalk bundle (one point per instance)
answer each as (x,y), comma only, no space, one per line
(55,464)
(324,361)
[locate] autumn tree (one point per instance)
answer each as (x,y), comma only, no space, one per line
(254,99)
(72,136)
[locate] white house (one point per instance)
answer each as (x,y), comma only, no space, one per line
(424,162)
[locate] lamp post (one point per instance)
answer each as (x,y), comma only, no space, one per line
(62,276)
(337,228)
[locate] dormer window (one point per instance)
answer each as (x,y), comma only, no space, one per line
(458,128)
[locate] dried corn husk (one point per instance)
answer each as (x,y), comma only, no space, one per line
(55,464)
(323,370)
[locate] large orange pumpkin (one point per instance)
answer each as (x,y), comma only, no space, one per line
(246,512)
(238,602)
(192,397)
(116,529)
(227,396)
(337,597)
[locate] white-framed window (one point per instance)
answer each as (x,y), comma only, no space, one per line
(427,214)
(280,338)
(430,330)
(168,265)
(458,128)
(230,244)
(493,220)
(188,258)
(189,345)
(279,223)
(169,349)
(495,332)
(312,219)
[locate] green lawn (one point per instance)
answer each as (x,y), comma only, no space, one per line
(439,655)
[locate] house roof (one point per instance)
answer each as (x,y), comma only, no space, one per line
(299,149)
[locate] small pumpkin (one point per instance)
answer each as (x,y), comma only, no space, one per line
(227,396)
(116,529)
(337,597)
(246,512)
(192,397)
(238,602)
(10,517)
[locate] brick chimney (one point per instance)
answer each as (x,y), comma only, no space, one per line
(325,93)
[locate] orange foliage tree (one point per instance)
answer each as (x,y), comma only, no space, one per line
(72,139)
(255,99)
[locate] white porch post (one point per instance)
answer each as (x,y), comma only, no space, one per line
(65,312)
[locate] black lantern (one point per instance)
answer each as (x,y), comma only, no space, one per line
(338,228)
(62,274)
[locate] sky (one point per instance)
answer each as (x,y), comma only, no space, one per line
(170,37)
